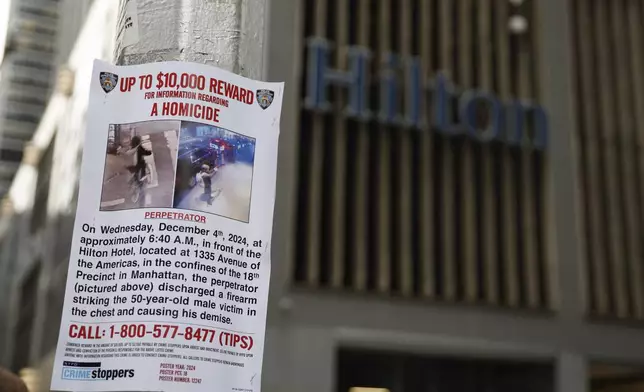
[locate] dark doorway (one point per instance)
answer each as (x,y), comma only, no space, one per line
(615,378)
(398,372)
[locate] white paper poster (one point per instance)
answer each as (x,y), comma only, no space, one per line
(170,261)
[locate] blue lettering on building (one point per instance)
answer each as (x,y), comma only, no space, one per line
(425,103)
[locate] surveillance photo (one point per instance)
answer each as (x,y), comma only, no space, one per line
(140,164)
(214,171)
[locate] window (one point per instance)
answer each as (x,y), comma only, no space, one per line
(39,212)
(398,199)
(10,155)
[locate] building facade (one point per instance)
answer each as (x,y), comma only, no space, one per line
(459,197)
(39,207)
(414,220)
(28,70)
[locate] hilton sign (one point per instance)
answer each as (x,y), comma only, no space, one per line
(428,104)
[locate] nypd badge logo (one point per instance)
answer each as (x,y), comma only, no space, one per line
(108,81)
(265,98)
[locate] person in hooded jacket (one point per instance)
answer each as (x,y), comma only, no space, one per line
(206,174)
(138,153)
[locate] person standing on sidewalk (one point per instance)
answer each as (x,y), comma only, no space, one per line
(9,382)
(206,176)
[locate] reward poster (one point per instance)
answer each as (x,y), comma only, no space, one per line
(170,261)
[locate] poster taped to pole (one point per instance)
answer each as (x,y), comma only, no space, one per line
(170,261)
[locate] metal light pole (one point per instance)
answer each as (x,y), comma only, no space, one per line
(228,34)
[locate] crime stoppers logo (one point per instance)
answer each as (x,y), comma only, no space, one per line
(92,371)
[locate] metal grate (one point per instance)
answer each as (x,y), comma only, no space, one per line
(398,199)
(610,113)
